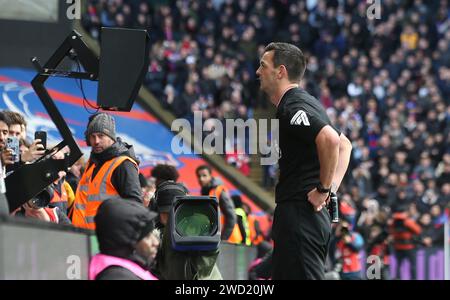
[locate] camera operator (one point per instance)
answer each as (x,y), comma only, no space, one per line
(161,173)
(349,244)
(177,265)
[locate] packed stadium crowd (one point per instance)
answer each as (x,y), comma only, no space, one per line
(385,84)
(384,81)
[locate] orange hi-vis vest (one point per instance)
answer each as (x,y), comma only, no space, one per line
(255,237)
(91,192)
(236,236)
(57,198)
(60,200)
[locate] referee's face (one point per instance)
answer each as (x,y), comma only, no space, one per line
(267,73)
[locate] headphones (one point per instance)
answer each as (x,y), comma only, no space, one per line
(170,185)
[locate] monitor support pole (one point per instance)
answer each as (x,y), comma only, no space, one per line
(29,180)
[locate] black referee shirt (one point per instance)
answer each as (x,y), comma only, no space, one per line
(301,118)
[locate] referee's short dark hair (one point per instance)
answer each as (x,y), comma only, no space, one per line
(289,56)
(203,167)
(165,172)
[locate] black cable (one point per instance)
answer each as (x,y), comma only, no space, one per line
(80,86)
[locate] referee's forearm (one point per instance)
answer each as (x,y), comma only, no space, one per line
(345,149)
(327,142)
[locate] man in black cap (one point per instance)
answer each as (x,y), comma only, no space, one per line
(112,171)
(127,242)
(162,173)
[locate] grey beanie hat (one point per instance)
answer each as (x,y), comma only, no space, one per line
(103,123)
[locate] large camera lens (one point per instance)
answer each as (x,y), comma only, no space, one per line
(42,199)
(193,219)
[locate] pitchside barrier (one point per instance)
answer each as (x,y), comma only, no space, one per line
(30,249)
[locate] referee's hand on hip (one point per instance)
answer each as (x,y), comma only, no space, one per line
(318,200)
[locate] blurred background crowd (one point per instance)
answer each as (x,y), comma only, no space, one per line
(384,82)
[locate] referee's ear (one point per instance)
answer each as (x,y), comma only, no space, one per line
(283,73)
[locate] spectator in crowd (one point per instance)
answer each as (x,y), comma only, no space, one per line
(128,245)
(163,173)
(5,156)
(211,187)
(148,189)
(17,125)
(112,171)
(17,128)
(74,174)
(242,220)
(63,195)
(378,245)
(404,231)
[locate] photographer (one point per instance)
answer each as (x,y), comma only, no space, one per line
(378,245)
(39,208)
(51,203)
(348,246)
(177,265)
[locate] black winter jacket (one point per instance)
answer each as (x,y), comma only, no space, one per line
(226,208)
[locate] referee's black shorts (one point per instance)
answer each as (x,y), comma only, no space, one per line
(301,239)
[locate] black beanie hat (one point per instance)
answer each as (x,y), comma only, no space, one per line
(103,123)
(121,224)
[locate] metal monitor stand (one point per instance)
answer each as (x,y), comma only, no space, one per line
(29,180)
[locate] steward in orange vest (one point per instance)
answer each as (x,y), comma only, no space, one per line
(404,231)
(60,196)
(210,187)
(112,172)
(256,235)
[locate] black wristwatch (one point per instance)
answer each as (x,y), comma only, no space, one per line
(321,189)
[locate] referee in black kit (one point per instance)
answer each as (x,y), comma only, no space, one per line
(314,159)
